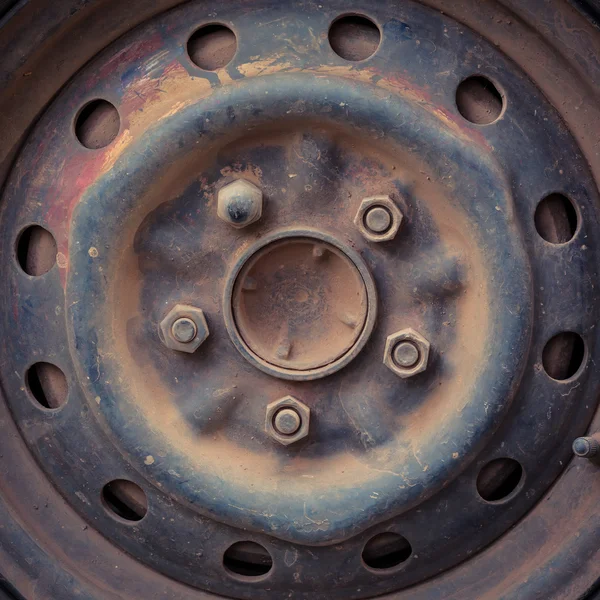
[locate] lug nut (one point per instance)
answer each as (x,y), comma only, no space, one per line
(405,355)
(287,421)
(184,330)
(239,203)
(378,219)
(588,447)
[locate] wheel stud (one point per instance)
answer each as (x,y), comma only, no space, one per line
(588,447)
(287,421)
(239,203)
(184,330)
(405,355)
(378,219)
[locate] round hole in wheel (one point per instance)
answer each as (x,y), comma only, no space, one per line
(386,551)
(499,479)
(212,47)
(354,37)
(556,219)
(47,384)
(125,499)
(36,250)
(563,355)
(247,559)
(97,124)
(478,100)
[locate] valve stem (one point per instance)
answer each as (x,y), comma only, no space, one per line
(588,447)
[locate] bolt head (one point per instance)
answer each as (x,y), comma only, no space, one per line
(287,415)
(406,353)
(239,203)
(378,219)
(176,329)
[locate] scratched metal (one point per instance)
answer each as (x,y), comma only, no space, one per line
(137,233)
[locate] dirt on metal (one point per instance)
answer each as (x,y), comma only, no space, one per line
(317,304)
(216,434)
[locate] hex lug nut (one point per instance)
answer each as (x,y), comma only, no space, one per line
(239,203)
(184,328)
(287,420)
(588,447)
(378,219)
(406,353)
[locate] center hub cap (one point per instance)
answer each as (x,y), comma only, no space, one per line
(302,305)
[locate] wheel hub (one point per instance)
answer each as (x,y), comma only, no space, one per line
(300,307)
(304,311)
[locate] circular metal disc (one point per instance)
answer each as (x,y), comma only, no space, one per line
(167,460)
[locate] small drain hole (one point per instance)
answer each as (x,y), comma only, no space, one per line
(36,250)
(248,559)
(354,38)
(499,479)
(563,355)
(556,219)
(386,551)
(478,100)
(47,384)
(212,47)
(97,124)
(125,499)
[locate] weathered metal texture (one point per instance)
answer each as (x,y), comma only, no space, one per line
(469,272)
(400,466)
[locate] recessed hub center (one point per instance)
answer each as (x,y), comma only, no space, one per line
(301,305)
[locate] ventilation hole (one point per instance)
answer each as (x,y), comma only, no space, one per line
(247,559)
(498,479)
(563,355)
(354,38)
(212,47)
(386,551)
(478,100)
(47,384)
(97,124)
(125,499)
(36,250)
(556,219)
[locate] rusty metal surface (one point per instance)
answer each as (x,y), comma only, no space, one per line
(137,232)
